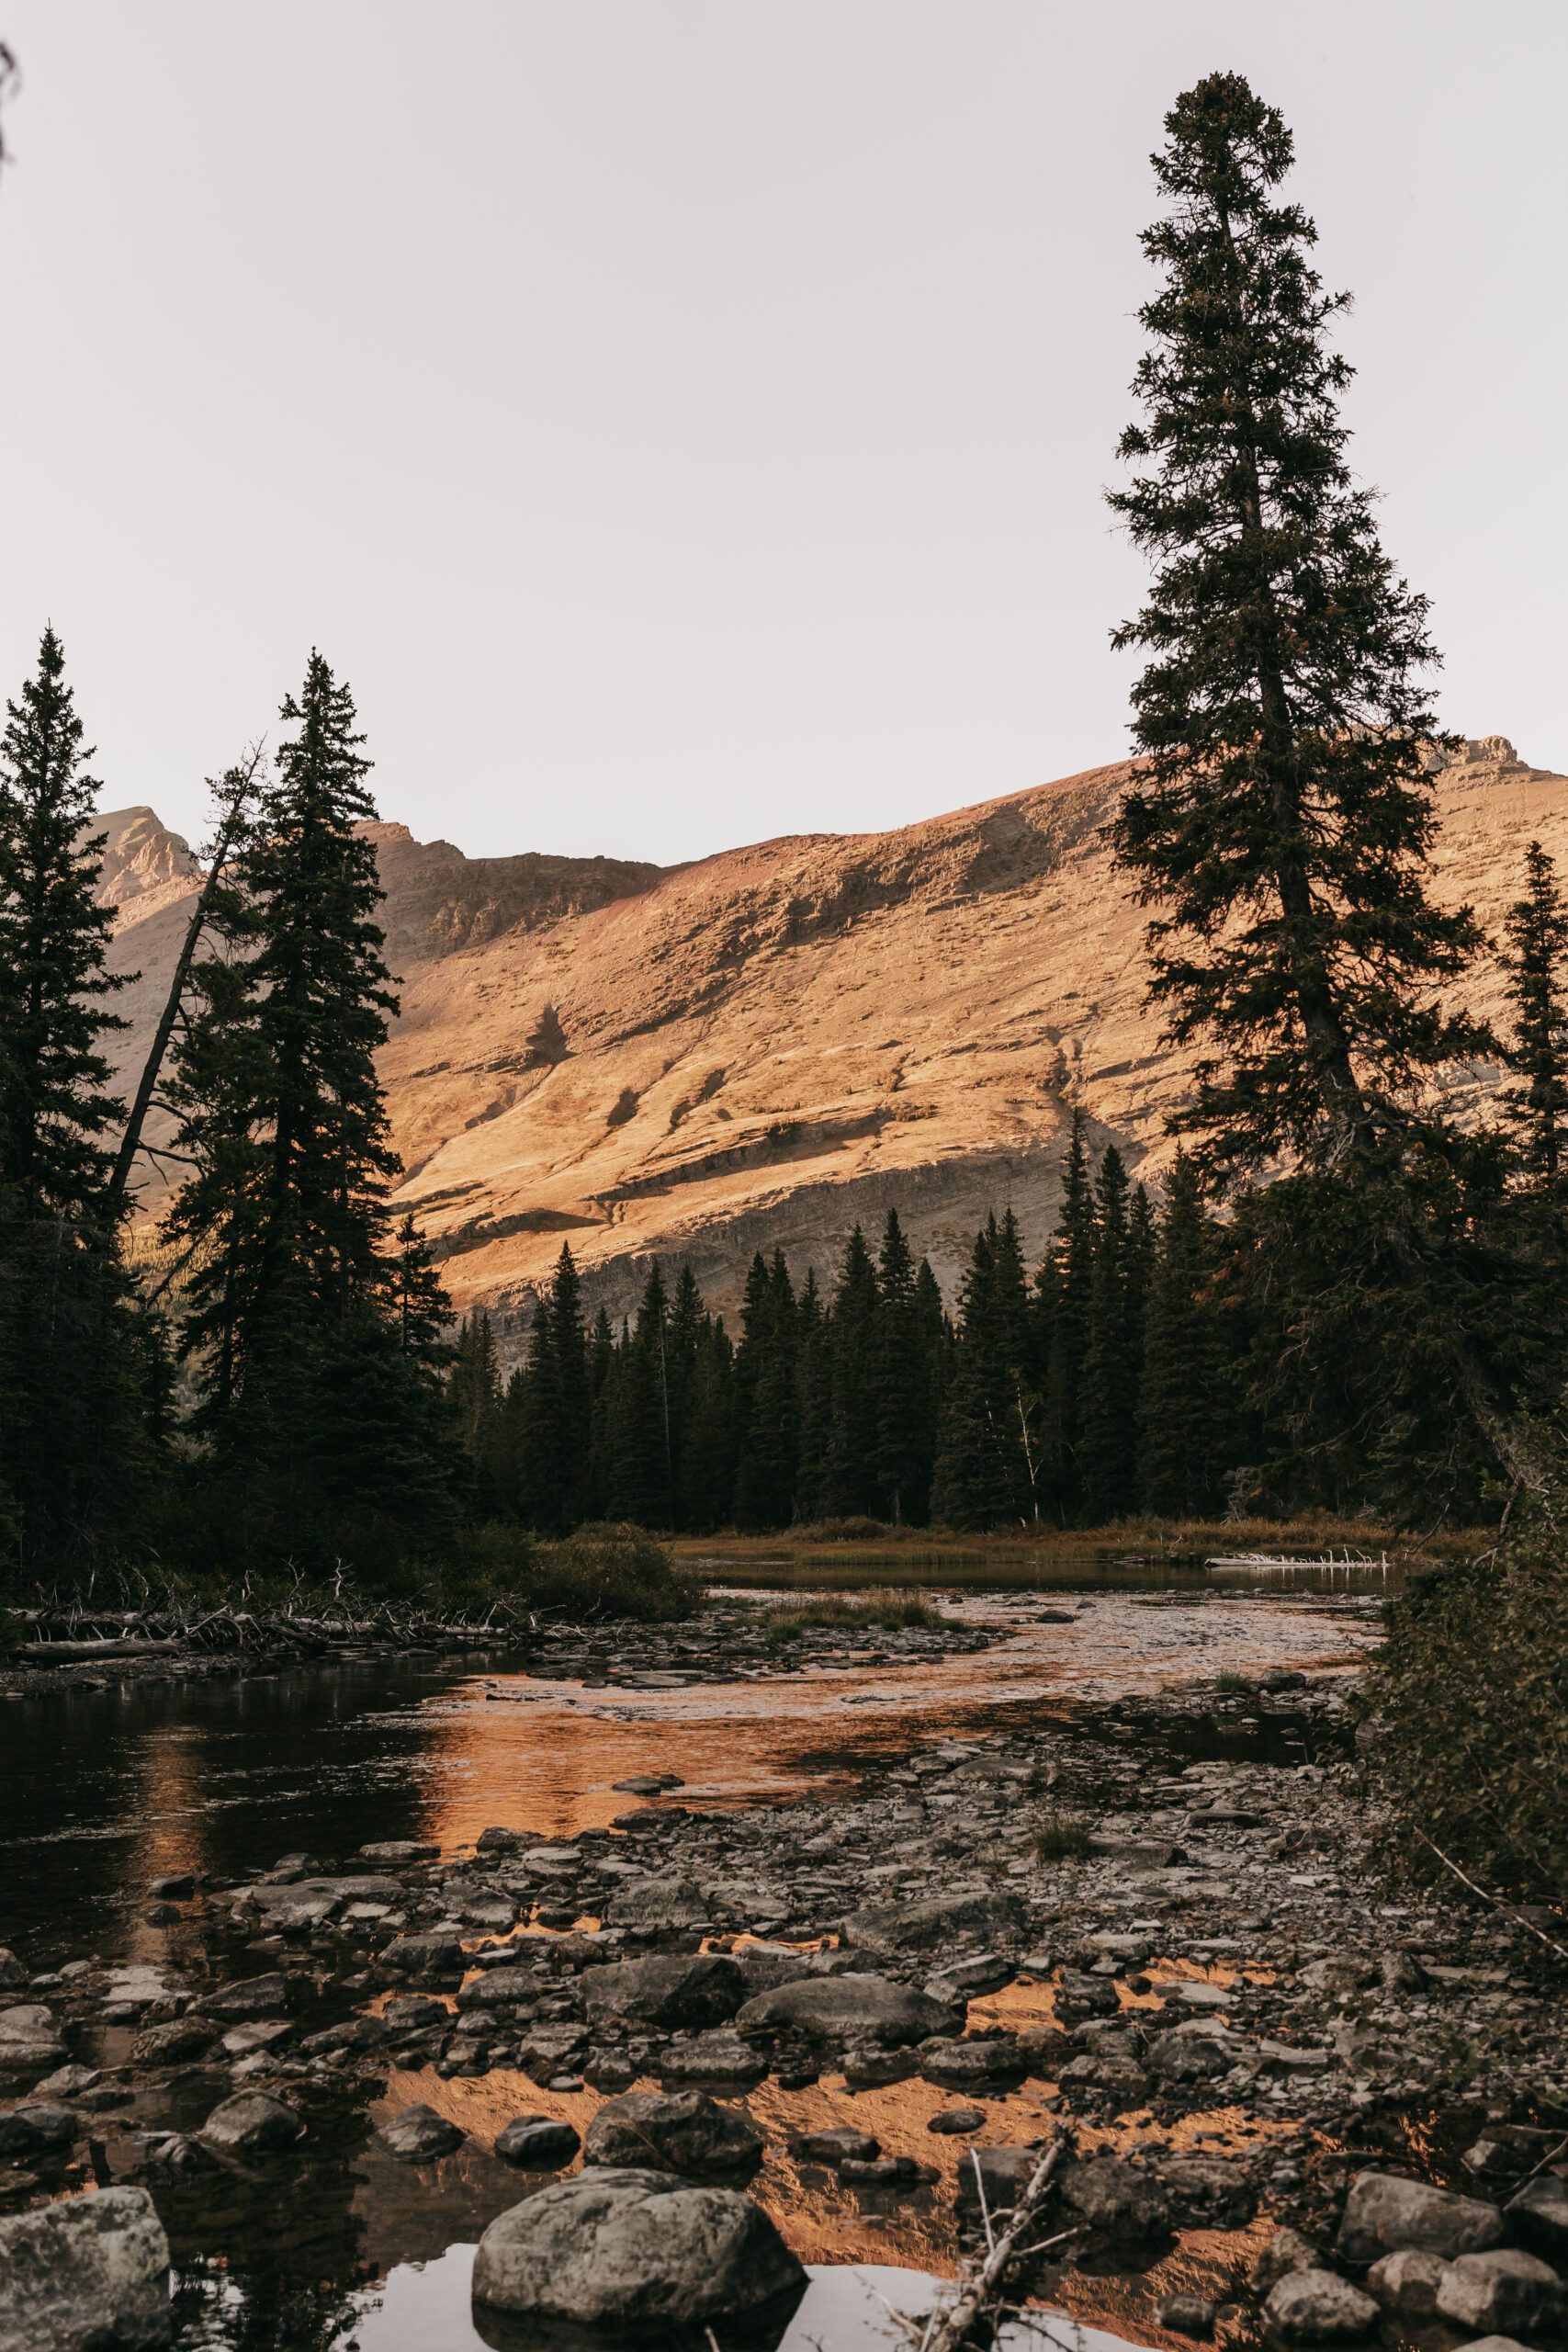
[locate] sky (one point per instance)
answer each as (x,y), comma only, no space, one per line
(684,422)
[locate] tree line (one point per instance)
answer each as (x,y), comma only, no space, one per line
(1343,1295)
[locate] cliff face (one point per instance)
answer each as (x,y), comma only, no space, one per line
(776,1042)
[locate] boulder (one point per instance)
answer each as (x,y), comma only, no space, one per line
(1538,2217)
(418,2134)
(1406,2283)
(667,1990)
(958,2121)
(679,2131)
(1286,2251)
(1318,2307)
(1188,2056)
(652,1906)
(1503,2292)
(992,2064)
(887,1929)
(83,2274)
(835,2147)
(539,2142)
(36,2130)
(1186,2314)
(250,1996)
(1004,2175)
(723,2057)
(429,1957)
(396,1854)
(634,2248)
(1216,2192)
(174,2043)
(252,2123)
(1385,2211)
(13,1972)
(29,2041)
(1117,2198)
(850,2008)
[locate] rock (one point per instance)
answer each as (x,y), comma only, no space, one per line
(1196,1993)
(1183,2056)
(1286,2251)
(84,2274)
(849,2008)
(33,2130)
(683,2131)
(723,2057)
(886,1929)
(992,2064)
(550,2049)
(1501,2291)
(252,2123)
(1406,2283)
(1538,2217)
(957,2120)
(873,2067)
(174,2041)
(1340,1972)
(1318,2307)
(497,1840)
(68,2082)
(396,1854)
(964,1980)
(837,2147)
(419,2133)
(1215,2191)
(428,1958)
(13,1972)
(252,1996)
(176,1886)
(1116,2198)
(1186,2314)
(1111,2071)
(1080,1996)
(29,2041)
(259,2033)
(503,1988)
(634,2247)
(539,2142)
(1004,2174)
(650,1907)
(701,1988)
(1385,2211)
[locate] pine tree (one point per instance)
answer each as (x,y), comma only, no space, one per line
(902,1383)
(1110,1372)
(706,1478)
(1284,821)
(54,1109)
(1537,929)
(814,1394)
(852,1428)
(78,1364)
(1063,1311)
(987,1450)
(1186,1427)
(765,1471)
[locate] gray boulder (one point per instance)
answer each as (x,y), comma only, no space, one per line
(252,1996)
(174,2043)
(252,2123)
(652,1906)
(1385,2211)
(681,2132)
(84,2274)
(634,2247)
(1117,2198)
(1406,2283)
(851,2008)
(33,2130)
(886,1929)
(670,1990)
(429,1957)
(1503,2292)
(29,2041)
(539,2142)
(1538,2217)
(395,1853)
(418,2134)
(725,2058)
(1318,2307)
(993,2063)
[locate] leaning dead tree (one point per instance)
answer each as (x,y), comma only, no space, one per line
(981,2283)
(234,797)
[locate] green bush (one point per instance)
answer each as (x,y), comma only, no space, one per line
(1467,1729)
(1061,1837)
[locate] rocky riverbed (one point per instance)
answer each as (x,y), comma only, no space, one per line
(1149,1920)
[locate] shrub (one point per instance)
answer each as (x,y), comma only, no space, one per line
(609,1571)
(1061,1837)
(890,1610)
(1230,1684)
(1467,1706)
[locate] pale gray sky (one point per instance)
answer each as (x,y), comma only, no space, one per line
(684,420)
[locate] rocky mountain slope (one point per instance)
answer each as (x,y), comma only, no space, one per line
(770,1044)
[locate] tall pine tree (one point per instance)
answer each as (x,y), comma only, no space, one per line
(1536,1102)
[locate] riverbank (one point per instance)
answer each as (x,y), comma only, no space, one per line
(1150,1918)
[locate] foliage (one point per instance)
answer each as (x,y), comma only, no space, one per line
(603,1571)
(1469,1706)
(894,1612)
(1062,1837)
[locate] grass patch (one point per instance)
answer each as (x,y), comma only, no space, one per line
(892,1612)
(1231,1685)
(1062,1837)
(608,1571)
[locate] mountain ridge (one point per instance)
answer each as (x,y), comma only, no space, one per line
(767,1044)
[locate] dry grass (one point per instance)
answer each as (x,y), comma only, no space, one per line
(1062,1837)
(892,1612)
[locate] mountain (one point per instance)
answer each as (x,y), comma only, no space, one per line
(766,1046)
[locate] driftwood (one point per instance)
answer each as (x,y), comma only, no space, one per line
(82,1634)
(980,2283)
(68,1653)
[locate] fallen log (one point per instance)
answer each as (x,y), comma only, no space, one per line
(113,1646)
